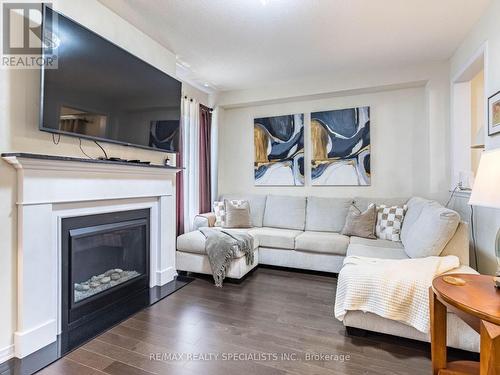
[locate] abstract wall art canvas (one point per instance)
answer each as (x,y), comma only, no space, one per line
(279,150)
(341,147)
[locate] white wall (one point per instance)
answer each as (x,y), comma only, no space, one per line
(435,109)
(400,158)
(19,113)
(424,93)
(485,31)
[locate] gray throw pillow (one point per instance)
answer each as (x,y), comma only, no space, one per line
(361,224)
(237,214)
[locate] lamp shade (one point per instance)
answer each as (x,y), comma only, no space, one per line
(486,189)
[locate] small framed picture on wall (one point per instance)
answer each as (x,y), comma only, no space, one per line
(494,114)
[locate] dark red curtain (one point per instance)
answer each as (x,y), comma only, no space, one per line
(205,151)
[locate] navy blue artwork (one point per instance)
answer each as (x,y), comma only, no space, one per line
(341,147)
(279,150)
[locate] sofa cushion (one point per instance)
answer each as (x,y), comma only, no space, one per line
(432,230)
(361,250)
(362,203)
(285,212)
(257,205)
(194,242)
(276,238)
(415,206)
(326,214)
(322,242)
(375,243)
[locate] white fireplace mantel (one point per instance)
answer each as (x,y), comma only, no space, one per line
(51,188)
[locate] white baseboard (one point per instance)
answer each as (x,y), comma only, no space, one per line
(165,276)
(6,353)
(30,341)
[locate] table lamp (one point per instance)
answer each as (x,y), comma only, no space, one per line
(486,191)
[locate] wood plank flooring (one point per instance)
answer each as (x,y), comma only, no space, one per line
(270,324)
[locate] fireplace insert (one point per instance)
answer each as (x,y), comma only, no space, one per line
(105,263)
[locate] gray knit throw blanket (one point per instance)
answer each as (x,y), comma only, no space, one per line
(222,247)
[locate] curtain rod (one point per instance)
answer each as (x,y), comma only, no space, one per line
(202,105)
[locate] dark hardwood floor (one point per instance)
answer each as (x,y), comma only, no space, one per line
(271,322)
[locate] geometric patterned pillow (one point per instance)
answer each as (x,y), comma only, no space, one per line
(389,222)
(220,213)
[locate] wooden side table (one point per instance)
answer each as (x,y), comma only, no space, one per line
(477,302)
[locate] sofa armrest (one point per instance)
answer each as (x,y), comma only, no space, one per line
(204,220)
(459,244)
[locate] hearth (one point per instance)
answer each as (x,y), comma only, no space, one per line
(105,263)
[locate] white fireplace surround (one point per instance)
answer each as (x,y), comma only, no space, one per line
(52,189)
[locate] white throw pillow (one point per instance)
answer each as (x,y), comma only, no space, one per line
(220,213)
(389,222)
(430,233)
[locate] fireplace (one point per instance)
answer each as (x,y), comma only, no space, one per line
(105,263)
(53,191)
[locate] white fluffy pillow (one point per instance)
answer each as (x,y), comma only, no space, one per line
(430,233)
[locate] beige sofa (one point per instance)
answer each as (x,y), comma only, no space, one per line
(304,233)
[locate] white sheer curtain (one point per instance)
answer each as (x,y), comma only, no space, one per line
(190,160)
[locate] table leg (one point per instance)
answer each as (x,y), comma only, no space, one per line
(490,349)
(438,333)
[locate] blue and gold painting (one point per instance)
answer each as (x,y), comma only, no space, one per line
(341,147)
(279,150)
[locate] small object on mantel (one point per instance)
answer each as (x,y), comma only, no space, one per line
(454,280)
(496,279)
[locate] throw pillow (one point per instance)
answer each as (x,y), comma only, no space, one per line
(220,213)
(361,224)
(237,214)
(430,233)
(389,222)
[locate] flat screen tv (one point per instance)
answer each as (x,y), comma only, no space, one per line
(101,92)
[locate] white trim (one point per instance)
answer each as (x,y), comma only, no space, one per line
(462,74)
(6,353)
(29,341)
(462,194)
(166,275)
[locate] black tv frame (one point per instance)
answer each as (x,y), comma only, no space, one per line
(41,126)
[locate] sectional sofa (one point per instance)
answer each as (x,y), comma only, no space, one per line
(304,233)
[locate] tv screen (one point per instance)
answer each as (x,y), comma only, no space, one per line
(100,91)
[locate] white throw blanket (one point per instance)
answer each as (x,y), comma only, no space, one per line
(393,289)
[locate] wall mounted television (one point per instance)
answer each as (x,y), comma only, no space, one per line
(101,92)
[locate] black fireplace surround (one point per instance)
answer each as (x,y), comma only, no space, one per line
(105,263)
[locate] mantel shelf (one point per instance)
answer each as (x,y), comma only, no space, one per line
(22,160)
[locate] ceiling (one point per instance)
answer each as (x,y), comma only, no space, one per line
(238,44)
